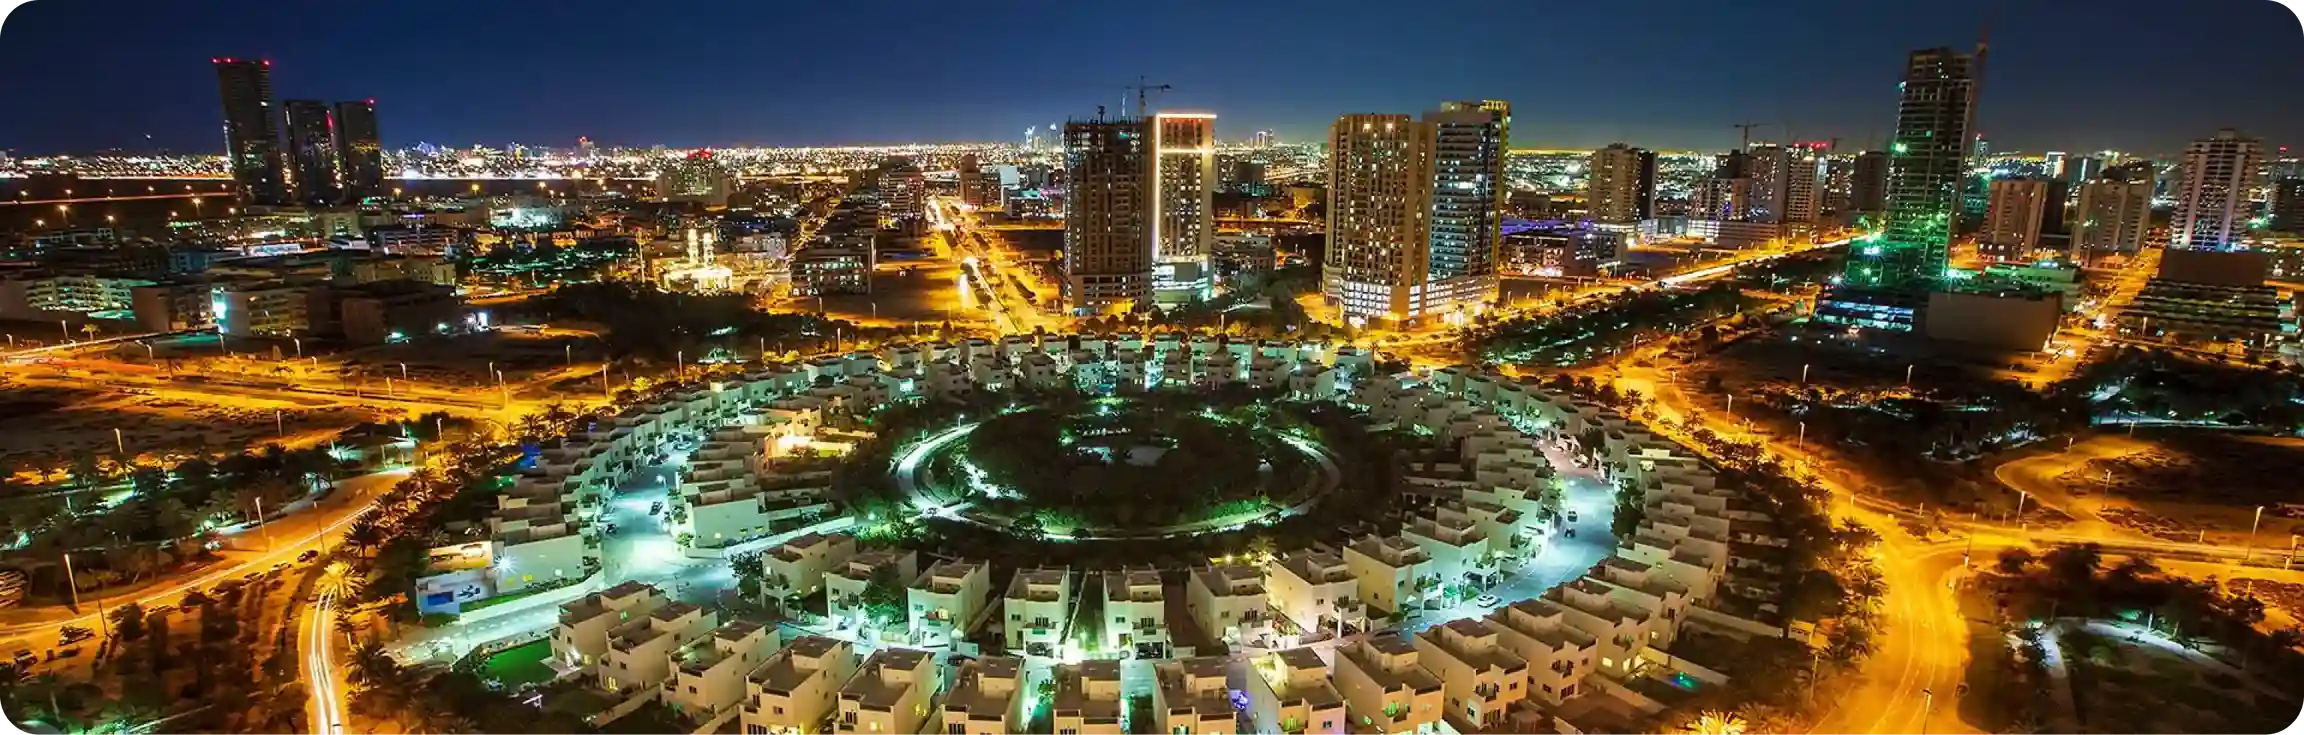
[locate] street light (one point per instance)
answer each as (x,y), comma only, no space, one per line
(1804,373)
(2250,550)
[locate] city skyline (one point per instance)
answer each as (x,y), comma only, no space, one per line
(1670,91)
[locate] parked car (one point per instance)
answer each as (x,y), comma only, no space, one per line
(1571,516)
(74,634)
(308,555)
(1486,600)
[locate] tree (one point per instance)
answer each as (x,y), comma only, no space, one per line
(885,597)
(2015,561)
(128,621)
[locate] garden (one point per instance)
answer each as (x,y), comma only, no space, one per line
(1115,467)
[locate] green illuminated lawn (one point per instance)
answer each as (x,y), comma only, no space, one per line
(521,664)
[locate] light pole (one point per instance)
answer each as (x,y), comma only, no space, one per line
(1802,442)
(1927,707)
(1908,373)
(299,346)
(279,423)
(403,371)
(1804,373)
(148,356)
(66,328)
(119,441)
(2250,550)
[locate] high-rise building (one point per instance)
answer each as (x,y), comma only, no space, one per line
(2053,163)
(360,150)
(2112,216)
(2021,211)
(1868,182)
(1724,199)
(1803,194)
(2212,206)
(1622,186)
(2082,169)
(1183,205)
(2288,205)
(1839,176)
(1415,212)
(314,170)
(978,187)
(1379,214)
(1108,170)
(252,130)
(1770,169)
(1467,204)
(697,178)
(903,191)
(1927,164)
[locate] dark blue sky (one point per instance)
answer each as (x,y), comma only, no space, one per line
(2142,75)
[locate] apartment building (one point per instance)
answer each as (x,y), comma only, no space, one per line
(987,697)
(894,692)
(708,675)
(1290,692)
(1481,676)
(1136,613)
(580,639)
(1191,697)
(1315,590)
(1386,687)
(950,598)
(1038,609)
(797,690)
(1229,603)
(1088,698)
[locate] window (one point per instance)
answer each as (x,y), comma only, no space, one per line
(779,710)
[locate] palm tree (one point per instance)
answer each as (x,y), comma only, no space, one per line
(1715,722)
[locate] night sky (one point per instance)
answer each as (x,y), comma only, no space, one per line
(2137,75)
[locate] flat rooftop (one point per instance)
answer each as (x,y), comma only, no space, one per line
(877,685)
(793,666)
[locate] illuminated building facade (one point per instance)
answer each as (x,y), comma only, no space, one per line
(1415,212)
(1108,214)
(1183,205)
(903,191)
(2021,212)
(359,150)
(697,178)
(1379,215)
(1926,164)
(2112,217)
(312,161)
(1622,186)
(251,133)
(2219,175)
(1886,279)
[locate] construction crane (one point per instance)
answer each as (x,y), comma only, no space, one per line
(1747,128)
(1142,88)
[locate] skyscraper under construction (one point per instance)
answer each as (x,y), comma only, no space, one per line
(1887,277)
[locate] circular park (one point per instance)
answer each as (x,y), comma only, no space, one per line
(1114,468)
(1066,477)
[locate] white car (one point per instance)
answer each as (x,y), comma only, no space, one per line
(1486,601)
